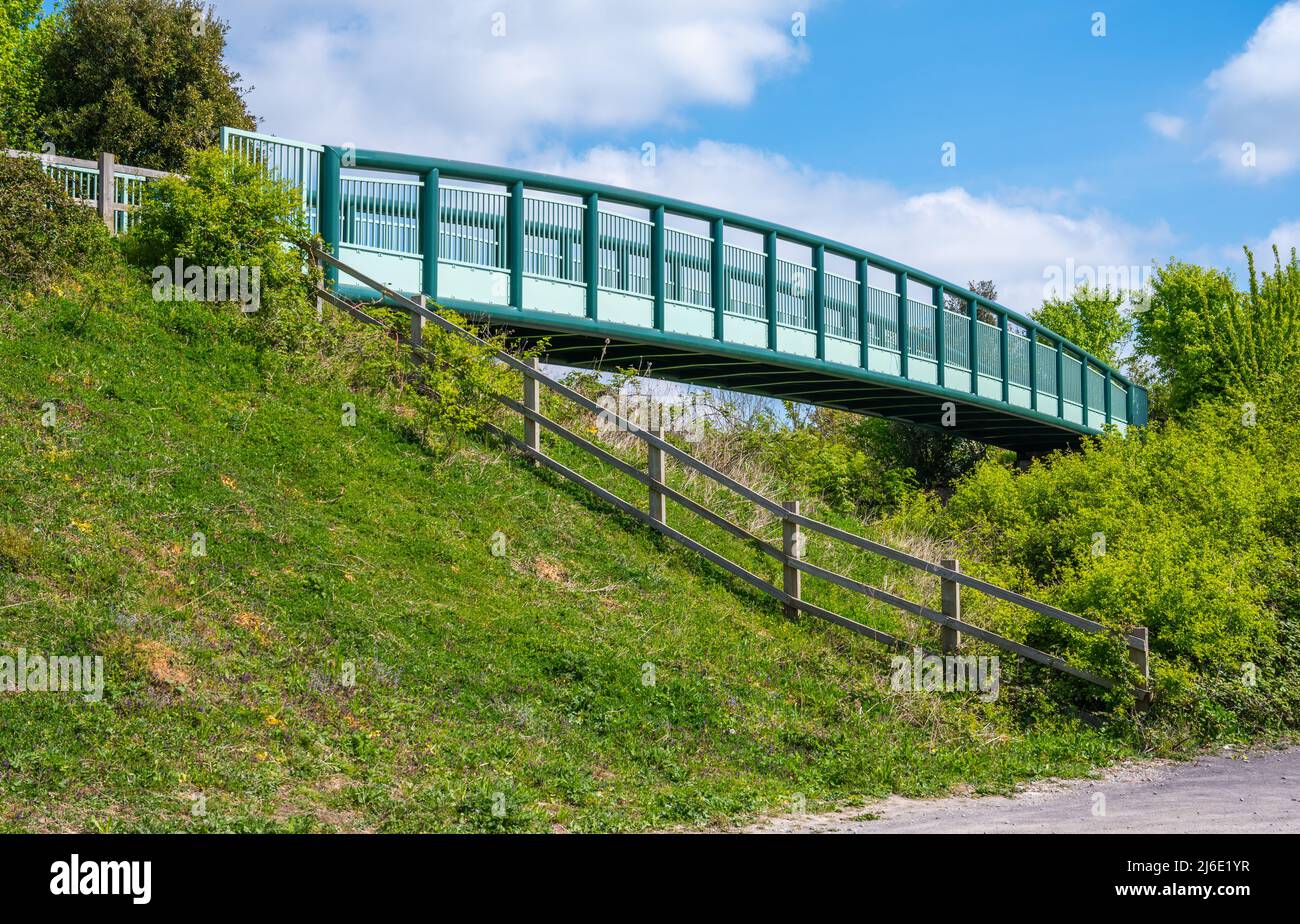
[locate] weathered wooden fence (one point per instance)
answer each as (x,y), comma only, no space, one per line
(788,554)
(84,180)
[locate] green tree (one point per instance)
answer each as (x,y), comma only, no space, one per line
(1207,338)
(1091,318)
(144,79)
(22,37)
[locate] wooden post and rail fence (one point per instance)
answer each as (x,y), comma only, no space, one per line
(84,181)
(790,554)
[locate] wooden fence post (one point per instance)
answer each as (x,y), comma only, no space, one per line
(107,192)
(532,429)
(655,468)
(417,331)
(950,596)
(1141,655)
(792,545)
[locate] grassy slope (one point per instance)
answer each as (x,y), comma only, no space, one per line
(475,675)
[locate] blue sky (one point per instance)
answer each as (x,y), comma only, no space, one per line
(1071,148)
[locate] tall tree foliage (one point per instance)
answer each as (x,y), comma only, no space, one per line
(144,79)
(22,36)
(1091,318)
(1207,338)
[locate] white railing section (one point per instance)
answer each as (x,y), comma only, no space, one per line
(688,262)
(625,253)
(745,282)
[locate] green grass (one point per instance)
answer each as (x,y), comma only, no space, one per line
(514,681)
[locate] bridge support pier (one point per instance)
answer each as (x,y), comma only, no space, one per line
(950,605)
(792,546)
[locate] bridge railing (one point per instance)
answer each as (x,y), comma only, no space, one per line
(674,269)
(790,553)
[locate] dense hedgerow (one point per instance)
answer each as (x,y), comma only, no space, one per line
(1191,528)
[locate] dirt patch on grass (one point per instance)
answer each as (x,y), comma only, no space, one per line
(163,663)
(548,569)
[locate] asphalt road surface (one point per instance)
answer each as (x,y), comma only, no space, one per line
(1228,792)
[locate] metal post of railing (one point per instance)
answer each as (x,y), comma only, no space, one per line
(940,335)
(769,285)
(792,547)
(591,252)
(1106,396)
(950,605)
(1083,387)
(1005,347)
(657,256)
(655,469)
(532,429)
(904,335)
(1060,379)
(107,193)
(974,347)
(515,243)
(864,312)
(819,298)
(330,205)
(718,266)
(429,219)
(1033,368)
(1128,405)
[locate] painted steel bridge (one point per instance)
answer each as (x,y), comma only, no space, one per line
(618,278)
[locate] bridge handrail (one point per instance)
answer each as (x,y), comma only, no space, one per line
(1135,639)
(411,163)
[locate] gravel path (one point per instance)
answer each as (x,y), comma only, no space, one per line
(1227,792)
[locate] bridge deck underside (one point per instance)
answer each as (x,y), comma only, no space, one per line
(776,380)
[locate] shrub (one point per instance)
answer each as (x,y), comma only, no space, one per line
(229,212)
(1189,528)
(44,235)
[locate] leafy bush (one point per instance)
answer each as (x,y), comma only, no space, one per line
(1189,528)
(229,212)
(44,235)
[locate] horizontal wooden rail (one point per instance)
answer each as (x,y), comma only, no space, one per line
(954,626)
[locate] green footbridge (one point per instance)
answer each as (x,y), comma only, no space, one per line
(617,278)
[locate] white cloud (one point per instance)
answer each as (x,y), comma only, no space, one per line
(1255,100)
(949,232)
(433,77)
(1166,126)
(1286,235)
